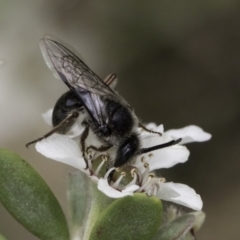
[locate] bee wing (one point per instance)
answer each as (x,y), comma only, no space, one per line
(66,64)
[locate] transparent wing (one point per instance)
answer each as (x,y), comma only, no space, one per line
(66,64)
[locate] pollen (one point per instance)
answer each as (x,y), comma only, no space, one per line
(150,155)
(162,180)
(105,158)
(89,153)
(151,175)
(146,165)
(134,176)
(133,172)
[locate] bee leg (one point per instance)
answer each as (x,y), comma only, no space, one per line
(164,145)
(60,126)
(99,149)
(82,142)
(148,130)
(111,80)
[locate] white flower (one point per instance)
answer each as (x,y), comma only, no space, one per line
(65,148)
(180,194)
(111,192)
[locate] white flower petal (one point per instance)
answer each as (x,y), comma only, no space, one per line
(189,134)
(47,116)
(104,187)
(180,194)
(168,157)
(131,188)
(162,158)
(151,139)
(63,149)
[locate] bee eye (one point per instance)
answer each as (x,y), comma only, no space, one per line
(70,103)
(73,103)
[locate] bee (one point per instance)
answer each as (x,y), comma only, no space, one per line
(93,104)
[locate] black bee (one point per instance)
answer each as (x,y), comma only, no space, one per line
(92,103)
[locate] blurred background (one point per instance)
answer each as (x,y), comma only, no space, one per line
(178,63)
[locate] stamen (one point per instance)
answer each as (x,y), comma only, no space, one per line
(104,159)
(145,173)
(151,175)
(154,181)
(134,175)
(115,185)
(154,185)
(152,190)
(89,153)
(90,164)
(162,180)
(143,159)
(133,172)
(108,172)
(146,165)
(145,184)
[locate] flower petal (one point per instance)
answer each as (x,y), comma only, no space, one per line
(168,157)
(189,134)
(47,116)
(104,187)
(180,194)
(63,149)
(162,158)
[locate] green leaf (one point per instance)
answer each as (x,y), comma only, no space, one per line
(198,222)
(99,202)
(132,217)
(79,202)
(29,199)
(176,229)
(78,197)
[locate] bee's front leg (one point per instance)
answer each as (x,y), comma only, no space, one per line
(62,125)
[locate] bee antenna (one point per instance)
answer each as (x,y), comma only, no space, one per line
(164,145)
